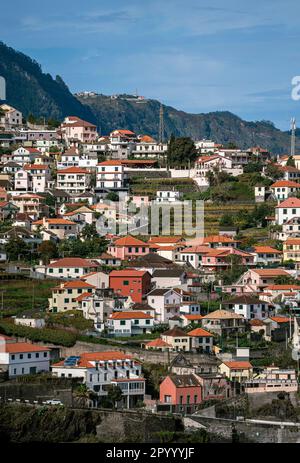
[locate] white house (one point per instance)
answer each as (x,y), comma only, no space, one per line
(32,322)
(129,323)
(70,267)
(110,175)
(287,210)
(283,189)
(73,180)
(100,369)
(169,278)
(23,358)
(65,296)
(266,255)
(11,117)
(166,302)
(168,196)
(248,305)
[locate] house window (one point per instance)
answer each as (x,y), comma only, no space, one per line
(123,322)
(125,283)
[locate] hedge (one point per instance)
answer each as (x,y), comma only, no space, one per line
(47,335)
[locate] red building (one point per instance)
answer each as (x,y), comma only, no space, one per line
(133,283)
(183,393)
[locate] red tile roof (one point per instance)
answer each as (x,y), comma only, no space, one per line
(266,249)
(288,203)
(285,183)
(73,170)
(280,319)
(157,343)
(73,262)
(200,332)
(54,222)
(130,241)
(22,347)
(236,365)
(133,314)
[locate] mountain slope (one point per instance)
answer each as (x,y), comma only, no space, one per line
(222,126)
(32,91)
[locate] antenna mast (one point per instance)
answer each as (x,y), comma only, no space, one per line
(293,136)
(161,125)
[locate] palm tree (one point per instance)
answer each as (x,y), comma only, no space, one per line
(83,395)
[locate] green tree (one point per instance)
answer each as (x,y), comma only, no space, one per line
(47,250)
(181,151)
(227,220)
(273,171)
(291,162)
(17,248)
(114,395)
(112,196)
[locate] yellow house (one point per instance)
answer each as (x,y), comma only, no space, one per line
(291,249)
(177,339)
(236,370)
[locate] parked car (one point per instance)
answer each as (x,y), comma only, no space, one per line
(53,402)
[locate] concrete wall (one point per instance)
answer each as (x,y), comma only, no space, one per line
(146,355)
(254,432)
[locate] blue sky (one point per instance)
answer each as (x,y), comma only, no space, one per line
(195,55)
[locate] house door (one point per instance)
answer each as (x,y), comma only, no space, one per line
(32,370)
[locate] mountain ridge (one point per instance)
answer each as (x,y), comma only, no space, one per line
(34,92)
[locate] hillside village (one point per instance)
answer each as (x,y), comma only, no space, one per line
(166,322)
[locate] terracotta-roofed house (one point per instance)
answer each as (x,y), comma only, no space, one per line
(265,255)
(23,358)
(177,338)
(65,296)
(128,247)
(129,323)
(61,228)
(71,267)
(223,322)
(287,210)
(201,340)
(237,370)
(73,180)
(99,369)
(258,279)
(283,189)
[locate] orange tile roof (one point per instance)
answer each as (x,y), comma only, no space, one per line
(285,183)
(73,170)
(75,284)
(82,296)
(280,319)
(266,249)
(129,241)
(110,163)
(290,202)
(219,239)
(73,262)
(129,315)
(256,322)
(200,332)
(292,241)
(158,343)
(282,287)
(36,167)
(193,317)
(236,365)
(17,347)
(270,272)
(55,222)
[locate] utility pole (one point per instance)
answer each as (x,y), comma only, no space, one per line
(293,136)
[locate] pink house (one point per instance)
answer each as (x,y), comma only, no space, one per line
(128,248)
(75,128)
(183,393)
(219,259)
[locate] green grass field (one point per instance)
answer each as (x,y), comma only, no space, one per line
(21,296)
